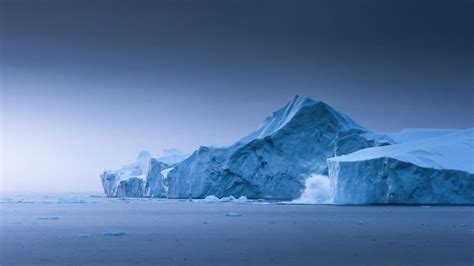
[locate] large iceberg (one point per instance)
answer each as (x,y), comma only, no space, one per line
(428,167)
(274,161)
(142,178)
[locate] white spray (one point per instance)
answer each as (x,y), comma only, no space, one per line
(317,190)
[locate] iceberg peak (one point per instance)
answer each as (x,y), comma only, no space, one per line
(294,109)
(144,156)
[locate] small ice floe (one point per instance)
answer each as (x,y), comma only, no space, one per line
(114,233)
(213,198)
(83,235)
(233,214)
(425,206)
(70,200)
(360,222)
(48,218)
(242,199)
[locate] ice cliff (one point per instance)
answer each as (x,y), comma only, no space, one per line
(274,161)
(141,178)
(428,167)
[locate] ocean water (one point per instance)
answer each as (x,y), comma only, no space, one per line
(88,229)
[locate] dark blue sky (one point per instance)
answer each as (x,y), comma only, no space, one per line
(94,82)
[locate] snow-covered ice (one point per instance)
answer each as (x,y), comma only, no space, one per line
(428,171)
(48,218)
(415,134)
(171,156)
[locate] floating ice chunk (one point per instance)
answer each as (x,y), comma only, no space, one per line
(227,199)
(48,218)
(233,214)
(242,199)
(211,198)
(83,235)
(114,233)
(71,200)
(172,156)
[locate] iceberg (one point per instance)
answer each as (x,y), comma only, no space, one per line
(436,168)
(143,178)
(274,161)
(112,180)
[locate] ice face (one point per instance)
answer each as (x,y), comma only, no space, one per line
(155,180)
(131,187)
(416,134)
(274,161)
(139,179)
(437,170)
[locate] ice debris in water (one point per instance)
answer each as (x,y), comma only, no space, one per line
(114,233)
(233,214)
(71,200)
(84,235)
(213,198)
